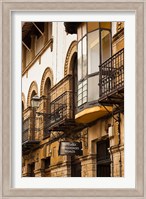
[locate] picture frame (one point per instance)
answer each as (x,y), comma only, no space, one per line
(7,8)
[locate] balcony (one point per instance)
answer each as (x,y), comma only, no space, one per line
(29,140)
(111,80)
(62,112)
(61,116)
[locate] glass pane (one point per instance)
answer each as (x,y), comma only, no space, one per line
(85,87)
(93,52)
(79,61)
(79,32)
(80,97)
(84,93)
(84,82)
(79,103)
(79,91)
(84,100)
(105,45)
(80,86)
(84,28)
(93,91)
(84,56)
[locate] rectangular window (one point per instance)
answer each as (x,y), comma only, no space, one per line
(93,88)
(105,45)
(84,28)
(47,162)
(79,60)
(79,33)
(82,93)
(93,52)
(84,56)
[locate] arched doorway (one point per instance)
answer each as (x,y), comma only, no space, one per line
(73,65)
(46,84)
(47,87)
(22,117)
(30,121)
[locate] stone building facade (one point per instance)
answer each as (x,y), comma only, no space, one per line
(74,71)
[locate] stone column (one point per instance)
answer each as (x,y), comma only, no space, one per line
(25,172)
(117,153)
(88,165)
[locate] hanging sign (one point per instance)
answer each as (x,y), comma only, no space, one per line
(70,148)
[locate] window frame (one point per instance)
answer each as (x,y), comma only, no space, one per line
(88,103)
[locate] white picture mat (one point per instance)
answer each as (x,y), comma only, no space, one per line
(128,181)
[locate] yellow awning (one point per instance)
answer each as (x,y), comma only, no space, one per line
(91,114)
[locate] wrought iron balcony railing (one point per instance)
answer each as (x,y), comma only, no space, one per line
(60,117)
(61,110)
(111,76)
(28,128)
(28,133)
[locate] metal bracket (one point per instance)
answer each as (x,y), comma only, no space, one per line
(110,113)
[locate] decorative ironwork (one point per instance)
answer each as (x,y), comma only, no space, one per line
(28,129)
(55,117)
(61,116)
(111,83)
(62,109)
(28,134)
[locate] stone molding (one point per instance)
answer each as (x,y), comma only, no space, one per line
(23,100)
(48,73)
(72,49)
(33,87)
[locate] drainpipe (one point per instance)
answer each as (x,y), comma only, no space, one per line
(119,143)
(110,150)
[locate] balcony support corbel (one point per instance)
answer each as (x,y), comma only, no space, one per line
(110,113)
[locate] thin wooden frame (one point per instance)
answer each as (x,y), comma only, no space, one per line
(130,5)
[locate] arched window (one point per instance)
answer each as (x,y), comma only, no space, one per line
(33,94)
(22,107)
(22,117)
(47,87)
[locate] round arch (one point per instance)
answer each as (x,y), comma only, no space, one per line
(23,101)
(48,74)
(71,51)
(33,89)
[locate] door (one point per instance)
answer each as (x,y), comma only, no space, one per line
(103,159)
(75,168)
(31,169)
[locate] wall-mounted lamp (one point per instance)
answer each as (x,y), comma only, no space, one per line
(35,101)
